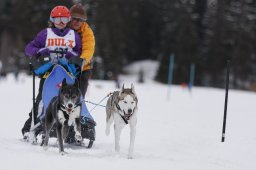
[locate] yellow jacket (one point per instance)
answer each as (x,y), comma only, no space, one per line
(88,45)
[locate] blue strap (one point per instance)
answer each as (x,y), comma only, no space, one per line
(44,68)
(61,61)
(71,67)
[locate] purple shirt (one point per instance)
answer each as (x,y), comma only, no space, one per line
(34,46)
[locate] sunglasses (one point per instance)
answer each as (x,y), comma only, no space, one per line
(58,20)
(78,19)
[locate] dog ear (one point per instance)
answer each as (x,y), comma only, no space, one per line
(64,83)
(133,90)
(122,90)
(76,84)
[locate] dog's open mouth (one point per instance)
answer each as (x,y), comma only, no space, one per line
(127,115)
(69,110)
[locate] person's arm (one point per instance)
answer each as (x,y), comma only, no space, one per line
(78,48)
(34,46)
(88,43)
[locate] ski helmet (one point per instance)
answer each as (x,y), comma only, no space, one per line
(60,11)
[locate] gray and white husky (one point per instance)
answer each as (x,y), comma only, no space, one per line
(64,110)
(122,109)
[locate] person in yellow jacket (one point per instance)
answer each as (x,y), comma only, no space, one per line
(78,23)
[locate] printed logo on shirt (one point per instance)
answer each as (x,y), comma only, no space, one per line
(59,42)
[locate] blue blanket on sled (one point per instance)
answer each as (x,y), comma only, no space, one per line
(51,88)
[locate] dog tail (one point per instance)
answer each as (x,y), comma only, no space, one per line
(110,105)
(108,111)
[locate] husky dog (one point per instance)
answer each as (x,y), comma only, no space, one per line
(64,110)
(122,109)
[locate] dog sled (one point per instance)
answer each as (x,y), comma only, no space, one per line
(54,69)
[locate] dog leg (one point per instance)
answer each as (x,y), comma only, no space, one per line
(132,139)
(60,139)
(109,122)
(46,139)
(48,127)
(77,129)
(65,130)
(118,129)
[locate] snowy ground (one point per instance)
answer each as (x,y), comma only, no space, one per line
(182,133)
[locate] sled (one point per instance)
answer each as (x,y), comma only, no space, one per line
(54,70)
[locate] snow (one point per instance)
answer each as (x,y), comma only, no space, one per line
(181,133)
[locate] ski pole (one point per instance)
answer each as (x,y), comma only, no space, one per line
(226,103)
(33,99)
(32,126)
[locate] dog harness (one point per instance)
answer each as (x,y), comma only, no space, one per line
(125,118)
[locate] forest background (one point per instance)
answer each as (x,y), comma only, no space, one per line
(202,34)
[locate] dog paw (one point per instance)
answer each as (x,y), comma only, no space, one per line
(45,147)
(78,137)
(117,149)
(79,143)
(62,153)
(26,137)
(130,157)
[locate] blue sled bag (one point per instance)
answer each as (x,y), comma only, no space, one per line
(52,86)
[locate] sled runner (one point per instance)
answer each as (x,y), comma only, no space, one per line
(54,69)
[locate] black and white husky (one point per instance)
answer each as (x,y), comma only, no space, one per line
(64,110)
(122,109)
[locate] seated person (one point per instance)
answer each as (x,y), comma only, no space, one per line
(58,37)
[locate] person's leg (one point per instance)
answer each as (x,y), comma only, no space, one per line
(84,81)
